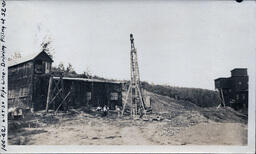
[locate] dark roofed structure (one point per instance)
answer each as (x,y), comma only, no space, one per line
(222,83)
(234,90)
(239,72)
(31,85)
(22,76)
(30,57)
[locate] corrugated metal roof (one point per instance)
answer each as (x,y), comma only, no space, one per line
(87,80)
(23,59)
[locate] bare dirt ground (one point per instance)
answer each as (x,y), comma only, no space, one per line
(85,129)
(181,124)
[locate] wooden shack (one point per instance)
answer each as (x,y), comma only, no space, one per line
(31,85)
(83,92)
(23,77)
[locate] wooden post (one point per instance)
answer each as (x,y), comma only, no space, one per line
(107,94)
(126,100)
(62,86)
(223,99)
(49,94)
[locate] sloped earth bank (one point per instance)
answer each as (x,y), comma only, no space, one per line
(179,123)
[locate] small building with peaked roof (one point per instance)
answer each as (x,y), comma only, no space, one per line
(23,74)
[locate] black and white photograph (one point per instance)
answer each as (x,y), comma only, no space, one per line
(129,73)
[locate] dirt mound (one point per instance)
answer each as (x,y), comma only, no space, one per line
(226,114)
(185,109)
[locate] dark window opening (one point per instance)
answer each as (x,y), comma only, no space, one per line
(39,67)
(237,97)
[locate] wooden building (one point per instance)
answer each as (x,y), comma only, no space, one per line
(82,92)
(24,74)
(234,90)
(31,85)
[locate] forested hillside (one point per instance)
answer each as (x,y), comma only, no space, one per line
(200,97)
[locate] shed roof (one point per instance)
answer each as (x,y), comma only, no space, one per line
(26,59)
(222,78)
(88,80)
(235,69)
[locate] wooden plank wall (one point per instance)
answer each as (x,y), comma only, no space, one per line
(20,79)
(40,87)
(100,93)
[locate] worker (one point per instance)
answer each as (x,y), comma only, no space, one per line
(118,110)
(105,111)
(99,108)
(141,112)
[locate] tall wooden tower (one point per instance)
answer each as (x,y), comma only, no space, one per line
(134,94)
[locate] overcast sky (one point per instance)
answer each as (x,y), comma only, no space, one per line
(186,43)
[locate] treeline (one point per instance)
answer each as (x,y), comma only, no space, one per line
(61,70)
(200,97)
(69,71)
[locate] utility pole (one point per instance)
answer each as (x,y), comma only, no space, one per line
(134,91)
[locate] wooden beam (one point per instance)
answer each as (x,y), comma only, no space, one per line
(223,99)
(55,96)
(49,94)
(56,85)
(141,100)
(126,100)
(62,102)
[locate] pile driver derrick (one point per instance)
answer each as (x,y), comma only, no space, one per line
(134,93)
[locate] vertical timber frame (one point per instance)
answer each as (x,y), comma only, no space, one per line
(57,91)
(48,94)
(221,96)
(134,90)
